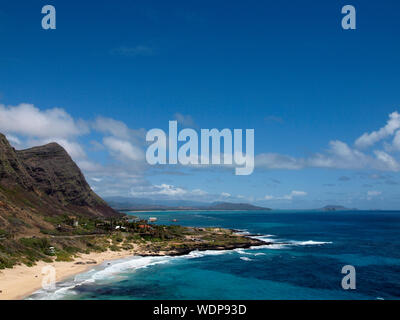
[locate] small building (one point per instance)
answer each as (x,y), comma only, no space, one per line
(74,221)
(152,219)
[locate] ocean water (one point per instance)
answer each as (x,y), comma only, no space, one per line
(305,261)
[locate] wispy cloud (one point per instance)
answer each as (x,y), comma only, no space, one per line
(340,155)
(123,149)
(369,139)
(184,120)
(171,192)
(139,50)
(373,194)
(289,196)
(275,119)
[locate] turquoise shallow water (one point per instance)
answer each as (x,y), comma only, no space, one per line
(308,266)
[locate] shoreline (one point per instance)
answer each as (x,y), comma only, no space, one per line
(188,210)
(21,281)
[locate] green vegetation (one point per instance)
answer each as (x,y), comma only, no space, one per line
(69,239)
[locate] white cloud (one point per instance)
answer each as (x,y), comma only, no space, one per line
(374,193)
(396,141)
(386,161)
(123,149)
(27,120)
(154,190)
(298,193)
(289,196)
(27,126)
(338,156)
(167,191)
(369,139)
(278,161)
(13,139)
(112,126)
(199,192)
(89,166)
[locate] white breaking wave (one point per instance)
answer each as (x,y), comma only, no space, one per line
(199,254)
(265,238)
(242,251)
(245,259)
(243,232)
(309,243)
(115,269)
(276,244)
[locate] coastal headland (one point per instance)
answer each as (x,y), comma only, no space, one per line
(22,279)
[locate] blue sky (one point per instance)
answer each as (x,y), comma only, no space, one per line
(309,89)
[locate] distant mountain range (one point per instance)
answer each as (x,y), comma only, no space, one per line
(336,208)
(143,204)
(43,182)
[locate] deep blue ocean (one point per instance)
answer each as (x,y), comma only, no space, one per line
(308,266)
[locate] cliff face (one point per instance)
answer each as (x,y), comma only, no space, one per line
(12,171)
(56,174)
(43,181)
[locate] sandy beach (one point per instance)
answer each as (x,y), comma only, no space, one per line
(21,281)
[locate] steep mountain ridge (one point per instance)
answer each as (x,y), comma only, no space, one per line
(43,182)
(12,171)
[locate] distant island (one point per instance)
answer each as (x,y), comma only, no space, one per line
(337,208)
(141,204)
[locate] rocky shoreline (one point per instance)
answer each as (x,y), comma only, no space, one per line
(204,247)
(21,281)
